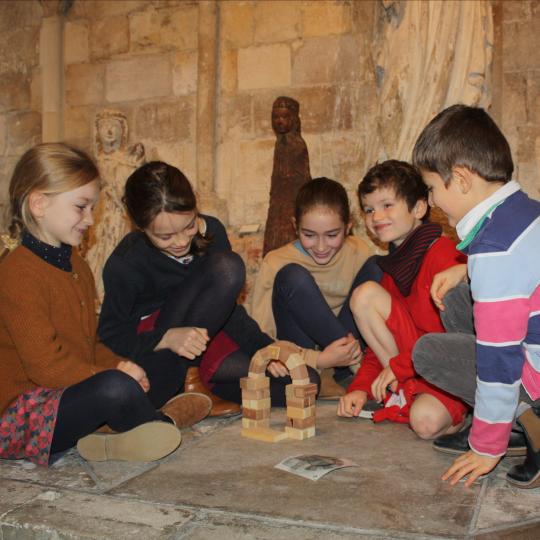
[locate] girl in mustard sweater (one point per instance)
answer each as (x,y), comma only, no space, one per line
(58,384)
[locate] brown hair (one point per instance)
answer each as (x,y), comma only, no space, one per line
(159,187)
(51,168)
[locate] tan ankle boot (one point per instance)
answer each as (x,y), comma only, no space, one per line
(187,409)
(330,389)
(220,407)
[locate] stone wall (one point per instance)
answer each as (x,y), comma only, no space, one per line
(147,59)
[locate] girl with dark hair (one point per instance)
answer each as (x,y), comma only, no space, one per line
(170,295)
(302,290)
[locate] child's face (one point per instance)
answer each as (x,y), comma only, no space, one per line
(64,218)
(322,233)
(388,217)
(173,232)
(448,198)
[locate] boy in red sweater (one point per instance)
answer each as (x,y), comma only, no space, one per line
(393,314)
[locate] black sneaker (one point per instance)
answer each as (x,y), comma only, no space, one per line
(458,443)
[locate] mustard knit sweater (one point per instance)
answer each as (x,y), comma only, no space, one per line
(334,279)
(47,325)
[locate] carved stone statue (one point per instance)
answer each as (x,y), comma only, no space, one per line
(116,161)
(290,172)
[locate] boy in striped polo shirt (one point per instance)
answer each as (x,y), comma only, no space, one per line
(466,163)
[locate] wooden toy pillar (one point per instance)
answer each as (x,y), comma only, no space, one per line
(300,397)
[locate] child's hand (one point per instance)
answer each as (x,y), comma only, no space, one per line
(187,341)
(344,351)
(135,371)
(378,388)
(351,404)
(277,369)
(446,280)
(472,464)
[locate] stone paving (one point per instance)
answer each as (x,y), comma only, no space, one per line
(221,485)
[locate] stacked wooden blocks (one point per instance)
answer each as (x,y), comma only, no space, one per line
(300,396)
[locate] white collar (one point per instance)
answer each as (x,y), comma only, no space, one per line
(473,216)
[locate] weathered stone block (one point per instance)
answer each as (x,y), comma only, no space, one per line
(514,110)
(36,90)
(84,84)
(181,155)
(19,48)
(317,108)
(327,60)
(77,123)
(516,11)
(276,21)
(109,36)
(264,67)
(105,8)
(229,70)
(184,76)
(76,46)
(138,78)
(23,132)
(167,29)
(14,91)
(166,121)
(533,95)
(19,15)
(2,134)
(236,118)
(323,18)
(237,23)
(521,42)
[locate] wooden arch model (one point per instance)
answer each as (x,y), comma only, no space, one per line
(300,396)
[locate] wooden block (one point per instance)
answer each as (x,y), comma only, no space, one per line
(256,404)
(256,394)
(298,401)
(264,434)
(296,412)
(310,357)
(301,391)
(301,382)
(302,423)
(255,414)
(300,434)
(256,374)
(271,352)
(248,423)
(254,384)
(299,373)
(294,360)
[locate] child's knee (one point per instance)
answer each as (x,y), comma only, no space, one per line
(293,278)
(428,423)
(362,295)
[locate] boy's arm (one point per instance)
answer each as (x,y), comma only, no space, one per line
(368,371)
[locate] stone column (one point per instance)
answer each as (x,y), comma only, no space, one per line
(207,110)
(51,60)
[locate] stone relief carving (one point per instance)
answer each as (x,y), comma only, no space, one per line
(427,56)
(290,172)
(116,161)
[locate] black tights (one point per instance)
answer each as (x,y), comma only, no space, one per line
(109,397)
(226,380)
(205,299)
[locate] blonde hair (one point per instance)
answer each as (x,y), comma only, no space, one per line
(51,168)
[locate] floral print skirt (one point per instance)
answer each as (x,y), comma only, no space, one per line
(27,425)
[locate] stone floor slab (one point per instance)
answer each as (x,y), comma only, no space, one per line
(395,488)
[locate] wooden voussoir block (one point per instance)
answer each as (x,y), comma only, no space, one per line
(301,423)
(255,414)
(247,383)
(249,423)
(256,404)
(297,412)
(299,373)
(264,434)
(300,434)
(270,353)
(301,391)
(301,382)
(294,360)
(256,394)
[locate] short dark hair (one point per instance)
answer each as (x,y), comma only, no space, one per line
(322,192)
(159,187)
(462,136)
(402,177)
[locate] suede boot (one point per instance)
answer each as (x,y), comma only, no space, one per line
(527,475)
(220,407)
(187,409)
(147,442)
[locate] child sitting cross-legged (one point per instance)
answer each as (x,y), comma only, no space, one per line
(393,314)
